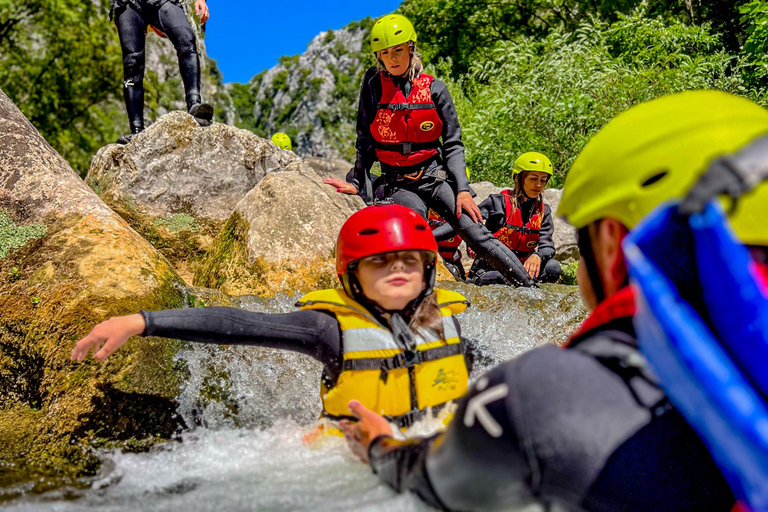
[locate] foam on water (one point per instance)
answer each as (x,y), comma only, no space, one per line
(249,409)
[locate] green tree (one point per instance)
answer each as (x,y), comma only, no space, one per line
(60,63)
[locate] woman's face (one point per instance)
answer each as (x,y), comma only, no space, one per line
(393,279)
(396,59)
(534,183)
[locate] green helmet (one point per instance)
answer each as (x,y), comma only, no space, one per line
(391,30)
(282,141)
(656,151)
(532,162)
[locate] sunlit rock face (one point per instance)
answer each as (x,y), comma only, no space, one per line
(70,263)
(281,237)
(176,183)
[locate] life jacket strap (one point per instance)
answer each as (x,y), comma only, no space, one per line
(406,148)
(406,359)
(406,106)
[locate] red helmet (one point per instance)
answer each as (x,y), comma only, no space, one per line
(379,229)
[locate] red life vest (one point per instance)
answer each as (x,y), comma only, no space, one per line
(519,238)
(406,131)
(446,248)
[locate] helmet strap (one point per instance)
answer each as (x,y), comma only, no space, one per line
(586,249)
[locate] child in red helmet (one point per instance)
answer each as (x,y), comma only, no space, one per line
(386,338)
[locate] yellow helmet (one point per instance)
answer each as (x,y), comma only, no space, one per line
(750,218)
(532,161)
(391,30)
(282,141)
(656,151)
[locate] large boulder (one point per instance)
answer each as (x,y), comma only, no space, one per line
(177,183)
(329,167)
(280,238)
(67,262)
(565,234)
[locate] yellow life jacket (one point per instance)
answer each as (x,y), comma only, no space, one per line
(380,373)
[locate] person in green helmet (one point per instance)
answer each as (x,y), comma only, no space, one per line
(407,121)
(521,220)
(282,141)
(587,426)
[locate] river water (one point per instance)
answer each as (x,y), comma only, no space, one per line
(250,410)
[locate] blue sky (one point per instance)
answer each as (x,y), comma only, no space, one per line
(248,36)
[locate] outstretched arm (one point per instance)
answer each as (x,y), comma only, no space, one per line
(313,333)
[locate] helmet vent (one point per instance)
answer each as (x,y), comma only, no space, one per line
(421,227)
(655,178)
(368,232)
(398,32)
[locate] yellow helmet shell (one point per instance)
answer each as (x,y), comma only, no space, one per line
(532,161)
(282,141)
(391,30)
(750,218)
(656,151)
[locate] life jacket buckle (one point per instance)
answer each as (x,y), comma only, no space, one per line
(407,148)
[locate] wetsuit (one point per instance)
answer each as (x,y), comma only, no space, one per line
(132,18)
(448,247)
(580,428)
(494,211)
(433,183)
(316,333)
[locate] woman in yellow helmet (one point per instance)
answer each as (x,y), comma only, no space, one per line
(407,121)
(386,338)
(521,221)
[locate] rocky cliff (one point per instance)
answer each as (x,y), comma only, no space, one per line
(313,96)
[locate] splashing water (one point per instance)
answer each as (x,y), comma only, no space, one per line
(251,408)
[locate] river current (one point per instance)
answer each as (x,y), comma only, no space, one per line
(251,412)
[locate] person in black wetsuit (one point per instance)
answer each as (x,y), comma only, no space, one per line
(523,222)
(584,427)
(386,318)
(402,117)
(133,18)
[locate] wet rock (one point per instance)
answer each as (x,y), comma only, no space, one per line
(176,183)
(74,263)
(280,238)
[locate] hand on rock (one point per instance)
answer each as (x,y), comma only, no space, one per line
(341,185)
(361,434)
(201,9)
(533,265)
(108,336)
(464,202)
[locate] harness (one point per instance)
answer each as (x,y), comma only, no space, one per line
(522,239)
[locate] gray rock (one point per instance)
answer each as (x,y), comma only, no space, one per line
(565,234)
(483,189)
(281,236)
(329,167)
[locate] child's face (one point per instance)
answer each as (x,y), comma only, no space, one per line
(393,279)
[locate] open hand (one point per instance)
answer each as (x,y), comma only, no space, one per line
(108,336)
(464,202)
(361,434)
(341,185)
(533,265)
(201,9)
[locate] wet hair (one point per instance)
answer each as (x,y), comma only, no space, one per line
(415,68)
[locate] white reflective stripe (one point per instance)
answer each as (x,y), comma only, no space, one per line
(372,338)
(367,338)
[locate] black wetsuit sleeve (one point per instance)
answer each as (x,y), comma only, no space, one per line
(443,232)
(493,212)
(453,147)
(313,333)
(546,247)
(366,112)
(479,464)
